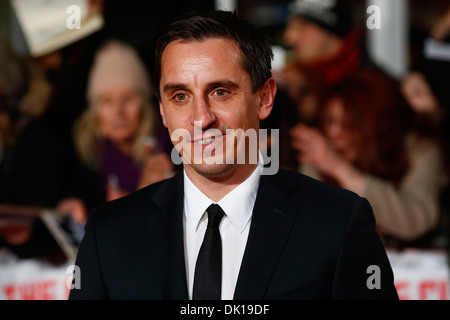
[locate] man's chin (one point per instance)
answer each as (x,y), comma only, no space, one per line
(212,170)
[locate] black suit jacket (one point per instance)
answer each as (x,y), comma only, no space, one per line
(307,240)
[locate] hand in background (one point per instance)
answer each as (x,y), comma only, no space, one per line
(313,148)
(75,207)
(418,93)
(113,192)
(441,28)
(157,166)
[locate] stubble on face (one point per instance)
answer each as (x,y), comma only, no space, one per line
(195,70)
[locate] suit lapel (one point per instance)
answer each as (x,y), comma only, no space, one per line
(164,230)
(273,217)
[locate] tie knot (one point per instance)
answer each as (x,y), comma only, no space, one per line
(215,214)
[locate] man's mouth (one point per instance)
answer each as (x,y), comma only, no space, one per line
(206,141)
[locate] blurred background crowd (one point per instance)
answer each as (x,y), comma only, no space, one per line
(359,107)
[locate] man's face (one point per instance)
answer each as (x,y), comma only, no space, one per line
(203,86)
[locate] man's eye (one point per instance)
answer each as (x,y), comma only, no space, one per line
(220,92)
(180,97)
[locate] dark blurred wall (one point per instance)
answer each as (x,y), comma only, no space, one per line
(140,22)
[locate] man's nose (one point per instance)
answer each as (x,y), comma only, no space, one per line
(203,113)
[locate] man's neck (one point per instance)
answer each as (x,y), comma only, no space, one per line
(218,187)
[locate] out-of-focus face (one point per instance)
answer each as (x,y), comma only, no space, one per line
(203,87)
(338,130)
(119,113)
(308,40)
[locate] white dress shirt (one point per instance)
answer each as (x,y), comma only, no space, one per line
(234,227)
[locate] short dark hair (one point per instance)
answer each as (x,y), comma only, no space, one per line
(256,50)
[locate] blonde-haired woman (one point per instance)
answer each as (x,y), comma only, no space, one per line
(111,137)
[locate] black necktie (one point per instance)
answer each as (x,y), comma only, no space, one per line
(208,270)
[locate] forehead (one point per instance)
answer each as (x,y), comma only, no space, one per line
(211,45)
(209,56)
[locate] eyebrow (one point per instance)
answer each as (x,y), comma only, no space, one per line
(223,83)
(219,83)
(174,86)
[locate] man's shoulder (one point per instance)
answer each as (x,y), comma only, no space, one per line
(312,188)
(317,199)
(141,202)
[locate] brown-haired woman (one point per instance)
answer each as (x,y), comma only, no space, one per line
(367,144)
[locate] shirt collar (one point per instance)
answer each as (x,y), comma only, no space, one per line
(237,204)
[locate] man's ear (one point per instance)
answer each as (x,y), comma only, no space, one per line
(267,98)
(161,111)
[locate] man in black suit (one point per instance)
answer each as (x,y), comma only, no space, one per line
(221,228)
